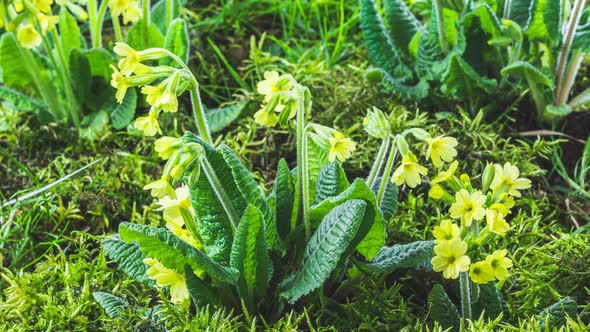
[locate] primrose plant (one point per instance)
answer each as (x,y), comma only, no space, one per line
(226,242)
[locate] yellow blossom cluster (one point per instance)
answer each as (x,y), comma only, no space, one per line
(129,9)
(471,207)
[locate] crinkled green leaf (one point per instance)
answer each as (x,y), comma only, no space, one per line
(177,41)
(128,257)
(401,256)
(489,301)
(324,250)
(331,181)
(80,75)
(158,14)
(20,102)
(545,24)
(317,157)
(284,193)
(520,12)
(100,60)
(442,309)
(140,40)
(527,71)
(249,256)
(382,50)
(113,305)
(220,118)
(555,315)
(553,112)
(463,82)
(397,87)
(71,38)
(14,73)
(402,24)
(122,114)
(389,203)
(174,253)
(371,235)
(200,291)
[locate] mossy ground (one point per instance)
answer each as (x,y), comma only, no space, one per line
(49,245)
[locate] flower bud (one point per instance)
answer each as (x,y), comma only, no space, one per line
(487,177)
(402,145)
(420,134)
(376,124)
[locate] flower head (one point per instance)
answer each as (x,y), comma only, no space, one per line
(265,118)
(481,272)
(496,223)
(507,179)
(167,277)
(271,84)
(341,147)
(376,124)
(499,263)
(160,188)
(131,58)
(166,146)
(468,207)
(446,175)
(43,5)
(441,147)
(47,22)
(445,231)
(119,82)
(450,258)
(132,13)
(409,171)
(181,199)
(148,124)
(28,36)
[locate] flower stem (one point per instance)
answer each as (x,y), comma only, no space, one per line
(442,34)
(169,11)
(570,76)
(146,21)
(96,24)
(221,194)
(387,173)
(465,288)
(117,28)
(92,17)
(302,171)
(378,162)
(199,115)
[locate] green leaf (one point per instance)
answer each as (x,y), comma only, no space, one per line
(520,12)
(220,118)
(14,74)
(489,301)
(463,82)
(249,256)
(80,75)
(123,113)
(100,60)
(158,14)
(201,292)
(174,253)
(94,125)
(326,247)
(488,21)
(408,255)
(529,72)
(213,223)
(545,24)
(317,157)
(382,51)
(284,192)
(581,101)
(403,25)
(177,41)
(442,309)
(553,112)
(71,38)
(581,41)
(113,305)
(139,40)
(555,315)
(371,235)
(397,87)
(331,181)
(250,190)
(21,102)
(129,258)
(389,203)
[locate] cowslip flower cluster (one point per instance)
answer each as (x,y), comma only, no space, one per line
(129,9)
(160,84)
(31,20)
(478,214)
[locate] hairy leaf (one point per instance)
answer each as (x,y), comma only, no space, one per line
(123,113)
(371,235)
(555,315)
(177,41)
(80,75)
(113,305)
(489,301)
(129,258)
(99,60)
(331,181)
(250,257)
(520,12)
(403,25)
(139,40)
(408,255)
(581,101)
(284,192)
(71,38)
(220,118)
(13,72)
(528,72)
(174,253)
(382,51)
(442,309)
(330,241)
(463,83)
(158,14)
(389,203)
(545,24)
(201,292)
(397,87)
(317,157)
(21,102)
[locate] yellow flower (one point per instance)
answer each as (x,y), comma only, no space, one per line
(119,82)
(160,188)
(409,171)
(441,148)
(43,5)
(270,85)
(148,124)
(446,175)
(341,147)
(450,258)
(468,207)
(166,146)
(167,277)
(266,118)
(481,272)
(496,222)
(168,102)
(47,22)
(131,58)
(28,37)
(18,5)
(132,13)
(180,199)
(119,6)
(175,223)
(504,207)
(500,263)
(436,192)
(506,179)
(445,231)
(152,93)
